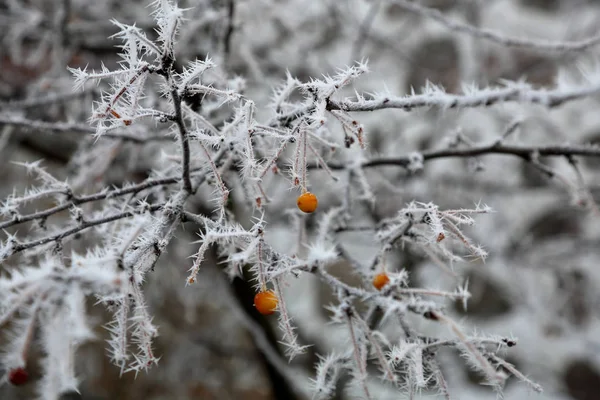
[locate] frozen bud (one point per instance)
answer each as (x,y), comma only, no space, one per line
(415,162)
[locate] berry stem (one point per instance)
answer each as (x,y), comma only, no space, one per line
(304,167)
(261,272)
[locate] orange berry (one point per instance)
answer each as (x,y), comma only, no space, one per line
(307,202)
(380,280)
(266,302)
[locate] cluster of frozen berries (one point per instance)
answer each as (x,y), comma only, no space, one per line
(266,301)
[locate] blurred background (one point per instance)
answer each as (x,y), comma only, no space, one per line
(541,282)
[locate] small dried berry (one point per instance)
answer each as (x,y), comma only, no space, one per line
(18,376)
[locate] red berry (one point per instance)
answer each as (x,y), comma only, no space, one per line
(18,376)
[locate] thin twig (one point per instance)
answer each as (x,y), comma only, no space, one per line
(52,98)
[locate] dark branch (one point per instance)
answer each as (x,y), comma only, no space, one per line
(184,138)
(228,30)
(524,152)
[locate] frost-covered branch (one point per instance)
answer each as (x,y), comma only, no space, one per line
(75,128)
(207,151)
(540,45)
(8,208)
(434,96)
